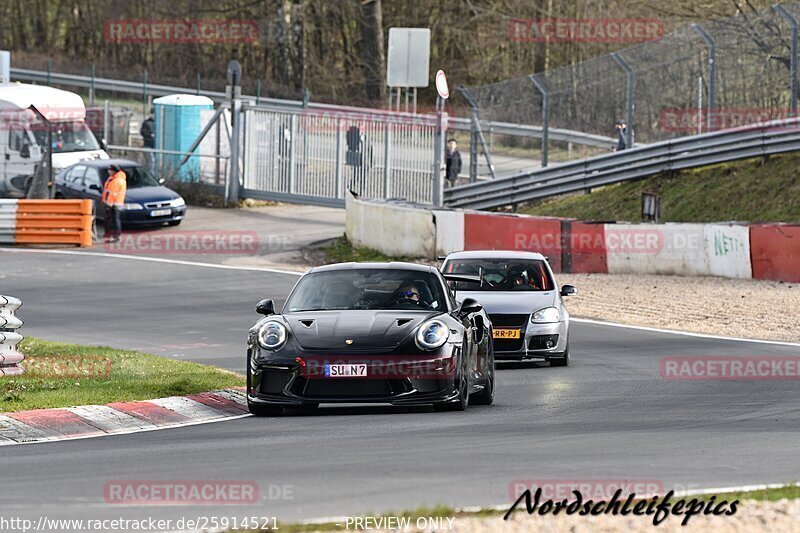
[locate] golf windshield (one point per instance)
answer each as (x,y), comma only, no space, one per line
(138,177)
(502,274)
(67,137)
(367,289)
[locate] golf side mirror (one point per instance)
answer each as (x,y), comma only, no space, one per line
(568,290)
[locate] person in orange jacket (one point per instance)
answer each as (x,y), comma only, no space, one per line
(113,200)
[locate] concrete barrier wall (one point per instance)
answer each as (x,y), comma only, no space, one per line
(679,249)
(390,228)
(766,251)
(483,231)
(584,250)
(775,252)
(449,231)
(728,250)
(675,249)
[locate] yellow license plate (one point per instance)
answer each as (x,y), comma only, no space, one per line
(506,334)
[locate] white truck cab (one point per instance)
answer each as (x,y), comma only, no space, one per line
(23,134)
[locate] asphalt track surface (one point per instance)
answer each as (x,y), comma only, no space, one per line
(607,416)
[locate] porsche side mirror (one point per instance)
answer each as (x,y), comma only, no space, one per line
(265,307)
(568,290)
(469,306)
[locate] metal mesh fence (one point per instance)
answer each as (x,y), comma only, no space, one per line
(323,154)
(677,91)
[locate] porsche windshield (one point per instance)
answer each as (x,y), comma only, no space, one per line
(502,274)
(367,289)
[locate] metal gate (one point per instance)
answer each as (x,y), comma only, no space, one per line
(315,156)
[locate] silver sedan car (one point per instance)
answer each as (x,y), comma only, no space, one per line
(520,294)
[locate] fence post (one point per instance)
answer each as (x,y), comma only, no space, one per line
(292,139)
(338,173)
(712,70)
(49,70)
(144,93)
(234,92)
(793,60)
(198,84)
(631,80)
(476,136)
(91,89)
(438,145)
(9,337)
(387,154)
(540,85)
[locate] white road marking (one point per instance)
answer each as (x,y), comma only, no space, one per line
(685,333)
(150,259)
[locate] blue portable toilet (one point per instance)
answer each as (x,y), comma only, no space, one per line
(177,125)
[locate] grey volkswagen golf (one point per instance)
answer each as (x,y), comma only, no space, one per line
(523,301)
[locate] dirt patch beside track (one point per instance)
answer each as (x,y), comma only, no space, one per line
(747,308)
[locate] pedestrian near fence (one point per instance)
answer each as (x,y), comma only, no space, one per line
(114,191)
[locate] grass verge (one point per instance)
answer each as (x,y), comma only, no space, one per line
(343,251)
(65,375)
(751,190)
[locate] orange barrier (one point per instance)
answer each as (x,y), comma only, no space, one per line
(54,222)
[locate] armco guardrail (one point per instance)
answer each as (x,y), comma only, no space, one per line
(687,152)
(536,132)
(10,358)
(46,222)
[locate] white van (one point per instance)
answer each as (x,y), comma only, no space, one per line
(23,135)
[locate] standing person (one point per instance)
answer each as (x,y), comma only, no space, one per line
(622,139)
(452,162)
(148,133)
(114,191)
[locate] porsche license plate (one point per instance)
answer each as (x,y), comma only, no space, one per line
(505,334)
(160,212)
(346,371)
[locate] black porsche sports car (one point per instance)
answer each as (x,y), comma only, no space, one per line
(370,332)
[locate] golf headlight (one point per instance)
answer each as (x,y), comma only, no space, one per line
(432,334)
(132,207)
(272,335)
(546,315)
(178,202)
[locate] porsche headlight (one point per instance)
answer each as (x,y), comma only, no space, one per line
(546,315)
(432,334)
(272,335)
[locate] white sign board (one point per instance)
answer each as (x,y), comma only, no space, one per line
(5,66)
(409,57)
